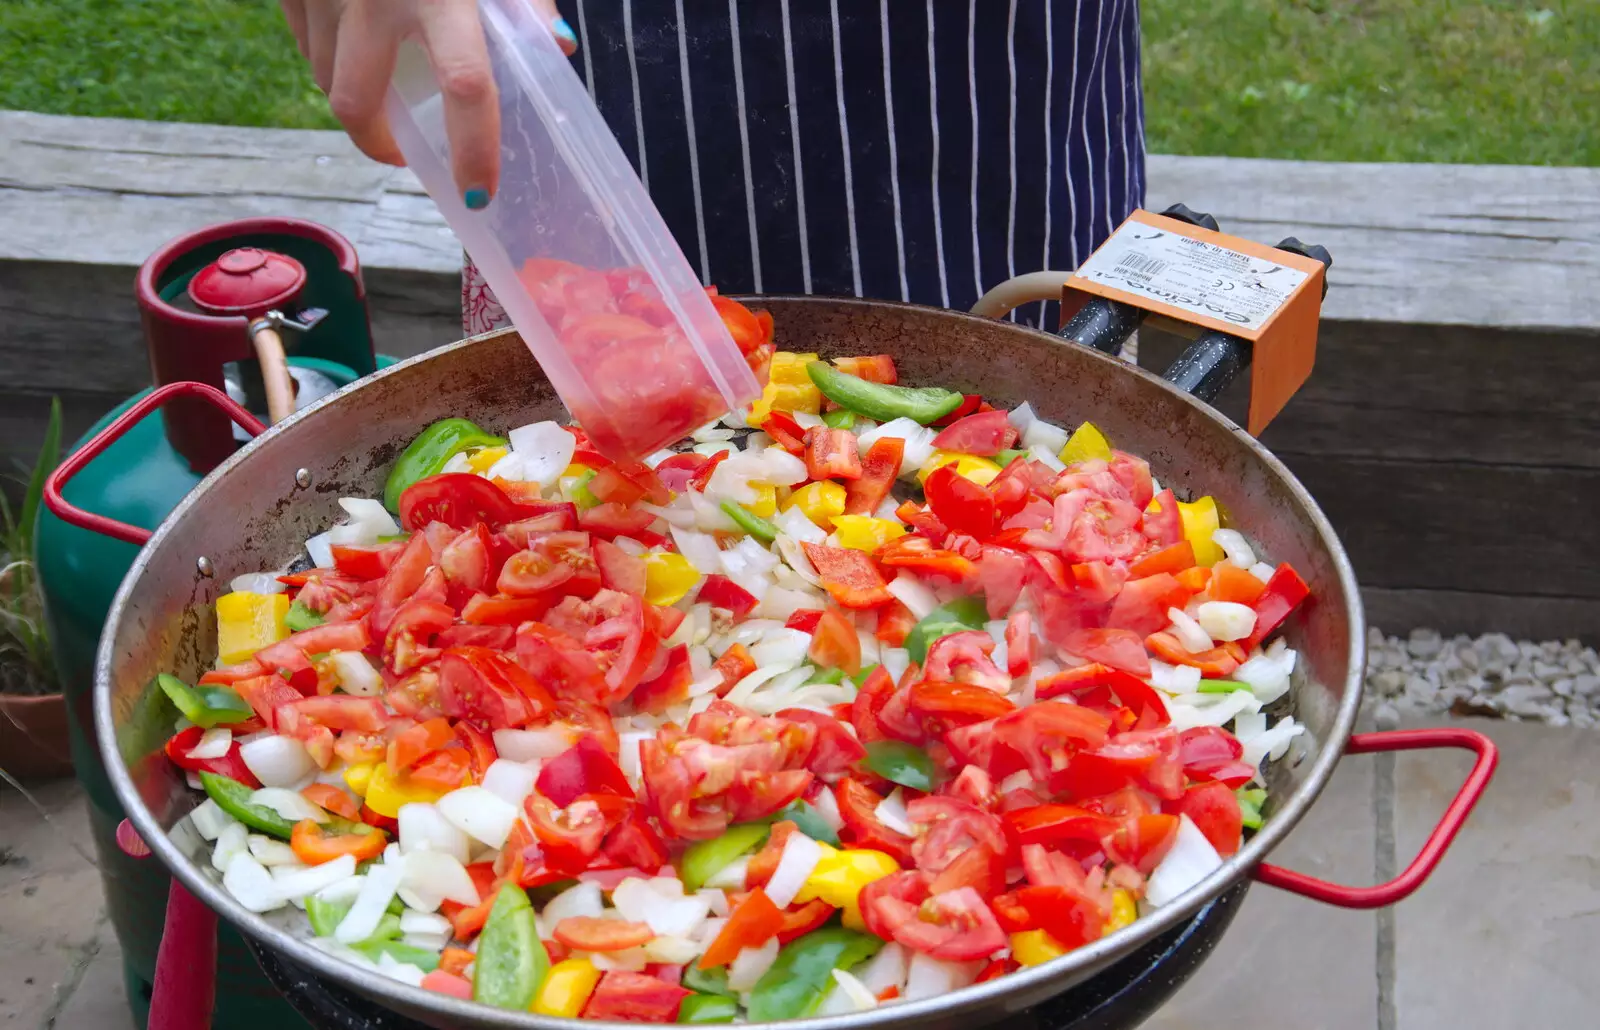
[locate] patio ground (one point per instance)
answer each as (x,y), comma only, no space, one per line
(1498,937)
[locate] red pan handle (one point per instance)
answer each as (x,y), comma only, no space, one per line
(70,513)
(185,988)
(1450,823)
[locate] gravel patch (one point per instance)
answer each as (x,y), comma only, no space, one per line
(1552,681)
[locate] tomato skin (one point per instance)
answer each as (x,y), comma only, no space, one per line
(509,612)
(366,563)
(834,750)
(961,504)
(721,592)
(1202,750)
(895,623)
(879,469)
(1150,764)
(1131,691)
(985,434)
(1118,648)
(585,768)
(918,554)
(635,998)
(466,562)
(614,520)
(956,925)
(487,687)
(442,770)
(1055,825)
(401,582)
(265,694)
(964,658)
(619,570)
(1283,593)
(1172,559)
(458,499)
(1141,605)
(943,704)
(620,645)
(1214,809)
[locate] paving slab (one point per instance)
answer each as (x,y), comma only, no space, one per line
(1292,963)
(1503,934)
(51,908)
(100,999)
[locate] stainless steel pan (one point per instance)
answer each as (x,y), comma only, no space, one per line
(253,512)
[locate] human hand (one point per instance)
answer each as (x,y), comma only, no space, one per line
(352,44)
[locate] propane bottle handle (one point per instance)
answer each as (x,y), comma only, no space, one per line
(69,513)
(270,355)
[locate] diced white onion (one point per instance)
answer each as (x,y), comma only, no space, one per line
(1201,710)
(299,883)
(1047,458)
(1021,416)
(234,840)
(288,803)
(582,899)
(851,991)
(895,661)
(377,890)
(423,922)
(434,942)
(433,876)
(545,450)
(1273,743)
(479,814)
(1268,674)
(424,828)
(1045,435)
(271,852)
(1262,571)
(700,549)
(1189,632)
(1226,620)
(210,820)
(891,812)
(252,886)
(213,743)
(1190,860)
(827,805)
(731,876)
(914,594)
(792,522)
(780,603)
(356,674)
(886,969)
(800,856)
(780,468)
(510,781)
(320,548)
(785,647)
(751,964)
(527,745)
(930,977)
(342,891)
(277,761)
(256,583)
(1235,546)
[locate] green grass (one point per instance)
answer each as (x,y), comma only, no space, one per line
(1375,80)
(1349,80)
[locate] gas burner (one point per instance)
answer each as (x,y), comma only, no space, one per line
(1122,997)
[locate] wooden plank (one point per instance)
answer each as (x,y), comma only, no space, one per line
(1491,245)
(1451,611)
(1413,525)
(70,327)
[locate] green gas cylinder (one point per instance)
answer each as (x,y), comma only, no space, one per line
(202,297)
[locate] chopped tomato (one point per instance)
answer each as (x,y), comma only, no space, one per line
(411,631)
(1118,648)
(1215,663)
(570,837)
(951,827)
(849,576)
(835,749)
(366,563)
(442,770)
(619,570)
(678,471)
(230,765)
(871,697)
(1173,559)
(969,403)
(1141,605)
(879,469)
(458,499)
(1195,580)
(585,768)
(484,610)
(401,583)
(956,925)
(1019,643)
(409,745)
(634,844)
(614,520)
(832,454)
(487,687)
(560,662)
(834,644)
(804,619)
(635,997)
(559,564)
(918,554)
(1162,523)
(331,798)
(858,806)
(895,623)
(960,503)
(1214,809)
(756,921)
(1231,583)
(671,687)
(587,933)
(734,665)
(1145,760)
(943,704)
(479,746)
(1142,841)
(620,645)
(627,482)
(964,658)
(441,981)
(1203,750)
(985,434)
(721,592)
(1079,682)
(1055,825)
(876,368)
(1066,914)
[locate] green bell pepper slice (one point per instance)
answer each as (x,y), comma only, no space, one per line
(962,614)
(1250,801)
(410,954)
(300,617)
(707,1008)
(900,762)
(879,401)
(233,798)
(750,522)
(839,418)
(582,496)
(861,677)
(827,676)
(800,978)
(427,454)
(325,916)
(808,820)
(708,981)
(1005,458)
(1221,686)
(705,858)
(206,705)
(511,962)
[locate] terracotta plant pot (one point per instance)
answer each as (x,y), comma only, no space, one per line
(33,736)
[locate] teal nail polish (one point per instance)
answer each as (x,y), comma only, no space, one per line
(477,198)
(564,31)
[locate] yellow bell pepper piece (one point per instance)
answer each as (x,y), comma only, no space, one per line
(248,622)
(359,776)
(766,502)
(790,368)
(1200,520)
(1123,911)
(820,502)
(864,533)
(839,877)
(385,794)
(1085,443)
(1035,947)
(667,577)
(566,988)
(969,466)
(791,397)
(482,460)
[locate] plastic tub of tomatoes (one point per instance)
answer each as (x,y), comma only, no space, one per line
(946,674)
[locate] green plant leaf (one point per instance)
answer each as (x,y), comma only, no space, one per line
(49,458)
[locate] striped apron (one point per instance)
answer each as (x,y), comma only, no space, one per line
(894,149)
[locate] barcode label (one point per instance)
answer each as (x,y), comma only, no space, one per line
(1141,265)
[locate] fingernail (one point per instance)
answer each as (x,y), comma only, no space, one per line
(564,31)
(477,198)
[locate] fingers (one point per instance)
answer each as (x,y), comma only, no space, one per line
(558,25)
(453,38)
(362,68)
(322,38)
(294,12)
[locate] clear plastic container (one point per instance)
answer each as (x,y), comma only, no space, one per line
(574,249)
